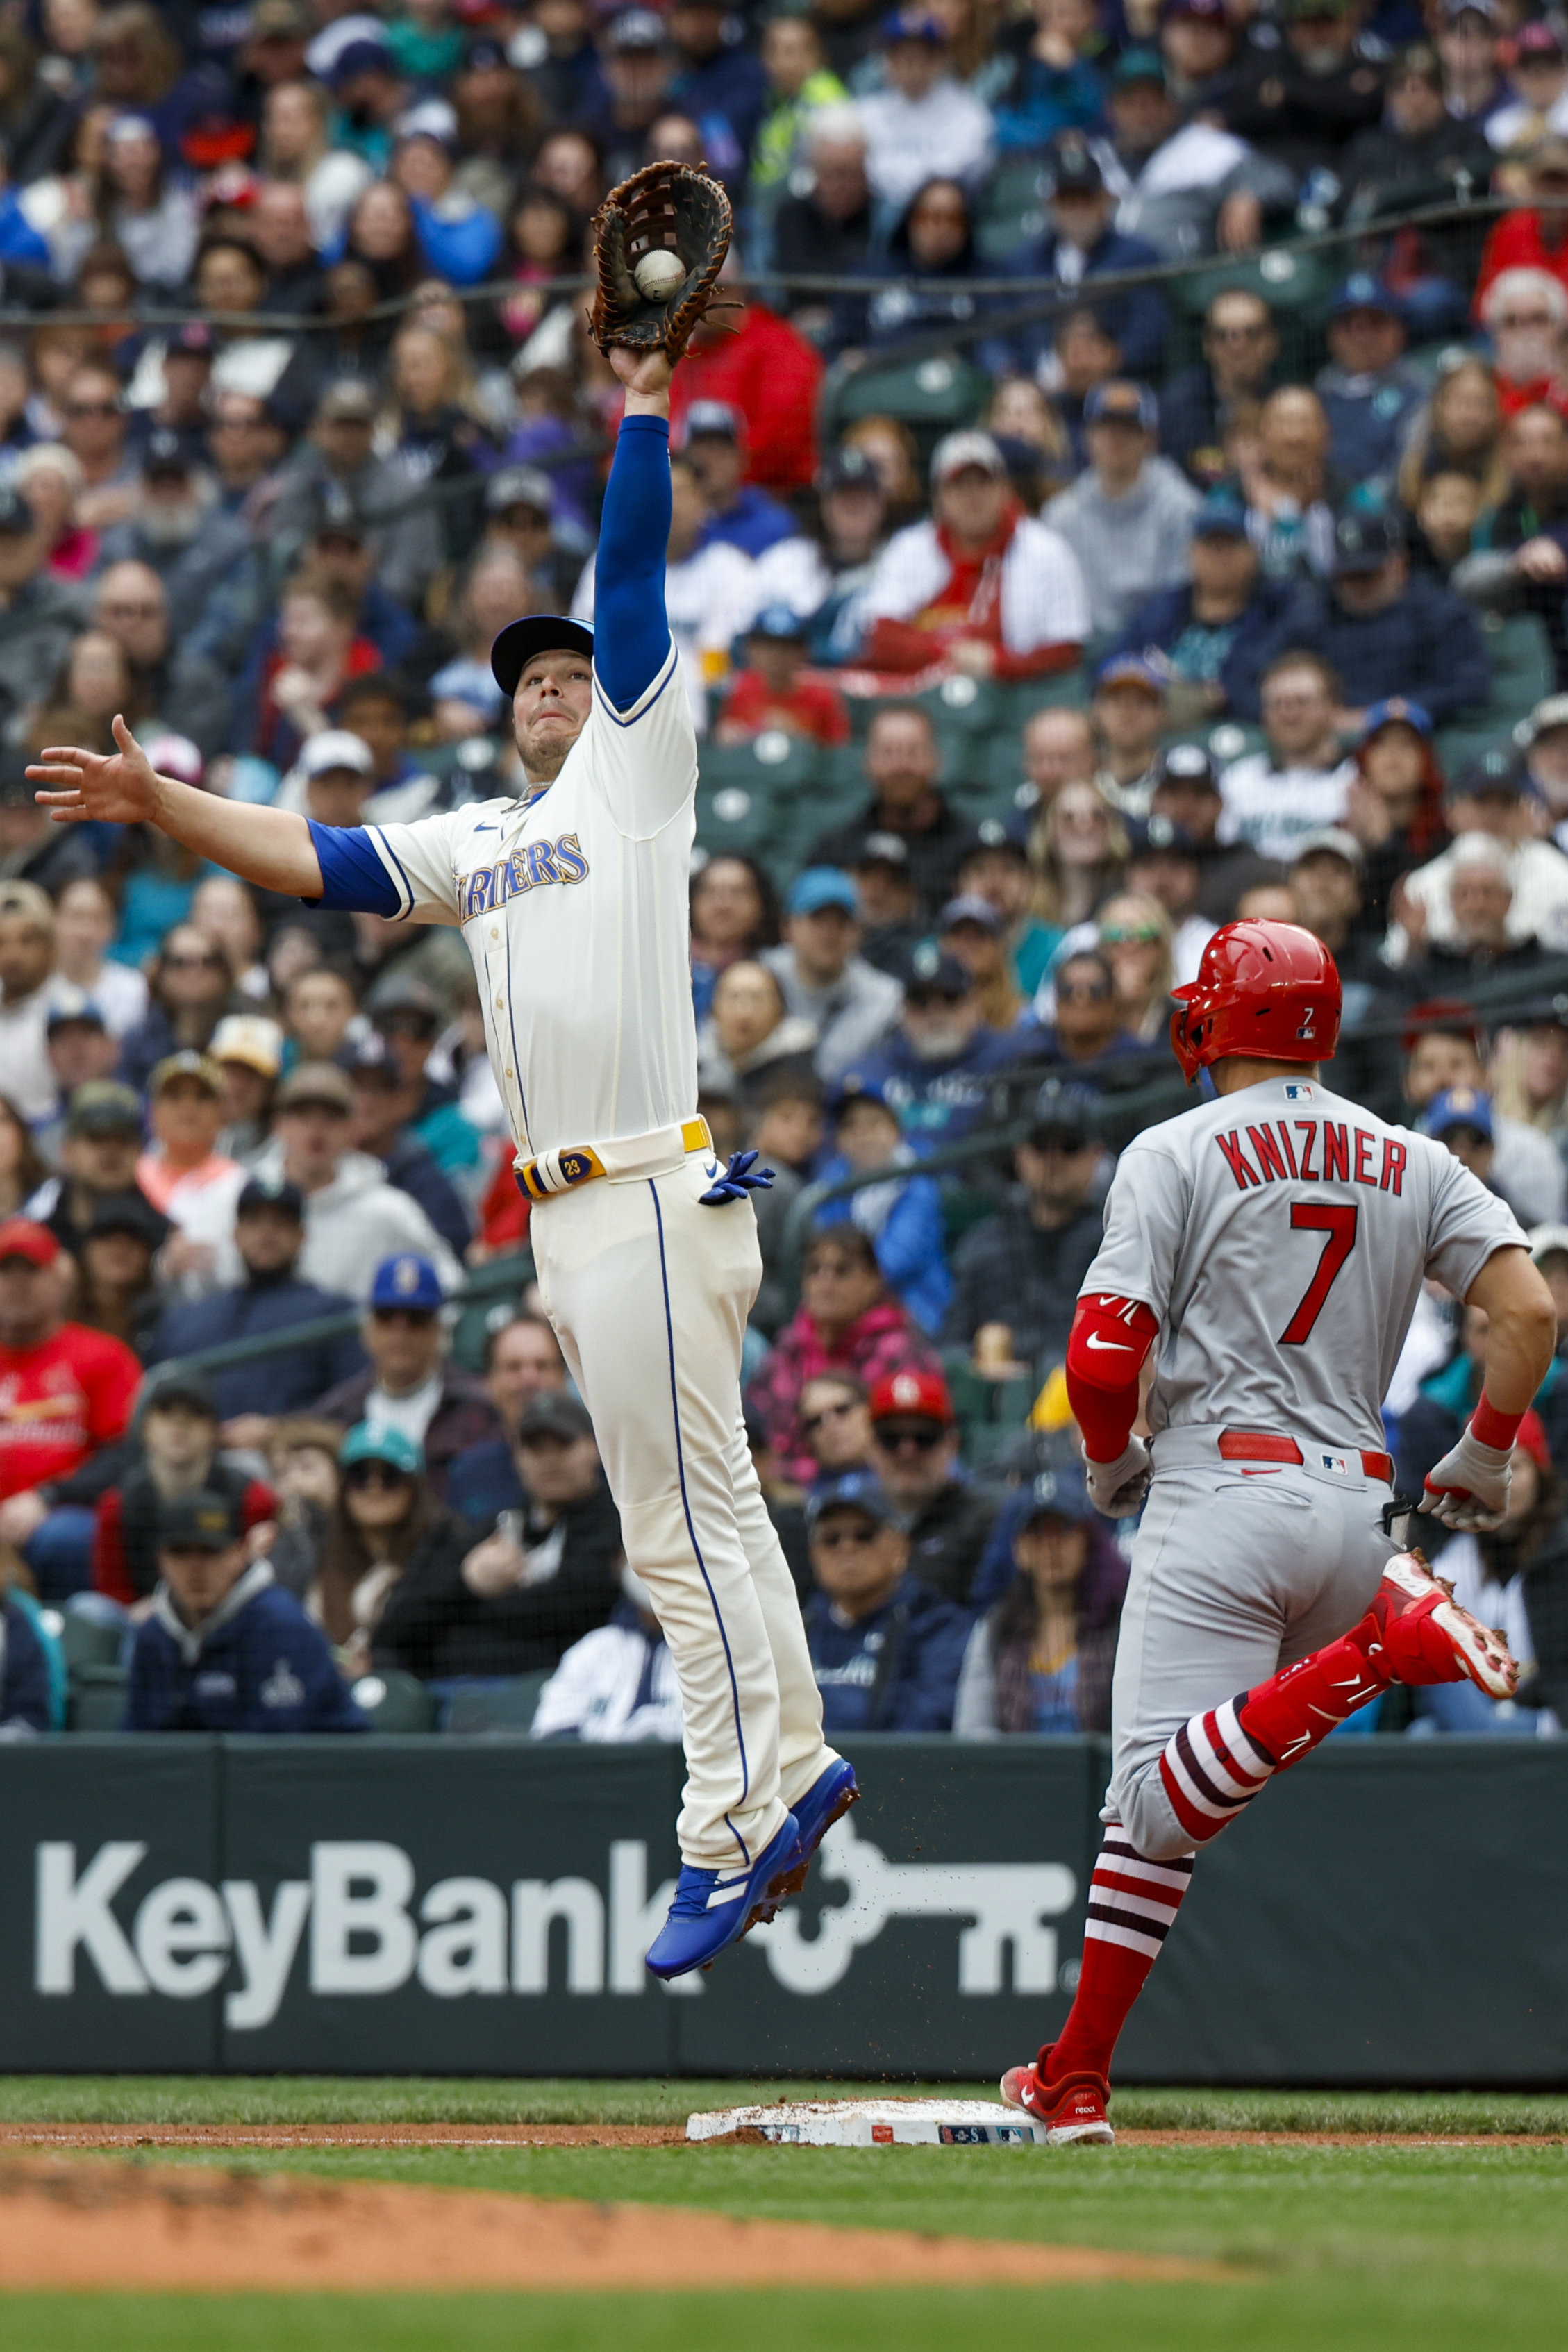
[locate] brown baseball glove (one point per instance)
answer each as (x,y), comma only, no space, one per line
(664,208)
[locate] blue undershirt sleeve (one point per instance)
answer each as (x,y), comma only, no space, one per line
(354,878)
(631,635)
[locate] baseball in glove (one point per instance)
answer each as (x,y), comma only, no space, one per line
(659,240)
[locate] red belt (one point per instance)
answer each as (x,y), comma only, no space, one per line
(1260,1445)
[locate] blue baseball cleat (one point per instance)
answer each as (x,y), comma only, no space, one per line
(714,1909)
(826,1801)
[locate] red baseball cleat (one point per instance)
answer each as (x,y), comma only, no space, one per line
(1072,2109)
(1425,1637)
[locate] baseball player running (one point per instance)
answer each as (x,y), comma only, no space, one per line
(1268,1249)
(573,902)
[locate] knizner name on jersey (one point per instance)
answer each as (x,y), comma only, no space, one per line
(530,867)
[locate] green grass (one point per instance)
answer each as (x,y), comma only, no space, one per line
(1355,2249)
(367,2099)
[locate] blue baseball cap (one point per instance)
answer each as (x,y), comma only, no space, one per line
(1121,402)
(1362,291)
(1461,1106)
(778,622)
(1394,710)
(374,1441)
(819,887)
(408,1281)
(1055,1495)
(1133,669)
(1221,516)
(853,1490)
(1140,64)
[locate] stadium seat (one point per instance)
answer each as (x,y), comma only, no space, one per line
(506,1706)
(931,396)
(97,1700)
(90,1641)
(1522,674)
(772,762)
(396,1702)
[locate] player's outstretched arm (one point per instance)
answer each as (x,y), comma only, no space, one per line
(1468,1488)
(631,634)
(266,846)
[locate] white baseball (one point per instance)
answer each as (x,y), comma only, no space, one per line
(658,274)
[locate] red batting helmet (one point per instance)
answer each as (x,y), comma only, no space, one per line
(1268,988)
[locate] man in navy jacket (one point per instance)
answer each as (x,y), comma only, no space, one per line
(1385,630)
(1077,246)
(885,1648)
(225,1649)
(1222,629)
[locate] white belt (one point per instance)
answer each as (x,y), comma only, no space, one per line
(570,1164)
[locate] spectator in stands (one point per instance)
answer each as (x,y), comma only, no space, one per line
(836,1417)
(1395,810)
(1303,101)
(271,1296)
(1520,559)
(1442,1045)
(1040,1659)
(932,241)
(99,1150)
(1135,940)
(27,960)
(1014,583)
(410,1384)
(1370,396)
(922,121)
(1483,947)
(1292,495)
(1458,432)
(773,690)
(117,1290)
(823,572)
(387,1103)
(1300,782)
(177,1443)
(1385,630)
(1192,187)
(738,511)
(225,1647)
(1187,796)
(757,364)
(68,1395)
(523,1363)
(190,988)
(23,1172)
(1082,1020)
(915,1458)
(937,1067)
(749,1037)
(1218,631)
(1018,1273)
(902,762)
(1166,867)
(618,1682)
(891,923)
(1129,517)
(1052,86)
(386,1526)
(25,1697)
(1422,154)
(825,981)
(1077,850)
(548,1574)
(885,1648)
(826,226)
(354,1220)
(1528,238)
(1490,797)
(85,918)
(1200,405)
(1525,312)
(975,935)
(182,1172)
(845,1323)
(1129,717)
(1079,244)
(902,1215)
(1058,748)
(734,913)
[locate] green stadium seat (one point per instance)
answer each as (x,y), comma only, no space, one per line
(931,396)
(772,763)
(396,1702)
(506,1707)
(737,819)
(1010,210)
(1524,672)
(86,1642)
(97,1701)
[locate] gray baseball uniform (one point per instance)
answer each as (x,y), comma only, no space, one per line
(1281,1235)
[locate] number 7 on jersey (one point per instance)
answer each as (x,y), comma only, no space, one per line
(1338,1221)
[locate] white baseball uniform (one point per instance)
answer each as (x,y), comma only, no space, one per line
(1280,1237)
(574,908)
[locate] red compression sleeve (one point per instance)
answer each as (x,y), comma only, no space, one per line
(1490,1427)
(1110,1338)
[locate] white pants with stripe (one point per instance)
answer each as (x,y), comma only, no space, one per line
(1236,1571)
(648,1293)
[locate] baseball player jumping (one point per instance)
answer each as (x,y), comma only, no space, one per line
(572,901)
(1268,1249)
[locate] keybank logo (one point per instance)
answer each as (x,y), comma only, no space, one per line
(360,1928)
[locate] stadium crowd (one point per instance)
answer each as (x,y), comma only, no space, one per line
(1066,559)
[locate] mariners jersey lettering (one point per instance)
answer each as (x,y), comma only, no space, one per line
(575,912)
(1281,1235)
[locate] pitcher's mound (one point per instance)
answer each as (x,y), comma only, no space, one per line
(97,2223)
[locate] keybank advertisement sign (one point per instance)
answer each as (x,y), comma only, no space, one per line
(408,1905)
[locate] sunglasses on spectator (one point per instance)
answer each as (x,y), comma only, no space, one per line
(1526,319)
(1082,992)
(861,1536)
(1127,935)
(925,1436)
(417,1318)
(364,1478)
(123,611)
(210,962)
(816,1420)
(1060,1139)
(1252,334)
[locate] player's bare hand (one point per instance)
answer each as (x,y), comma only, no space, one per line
(107,788)
(1118,1487)
(646,371)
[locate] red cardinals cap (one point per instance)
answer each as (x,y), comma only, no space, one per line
(921,1395)
(23,1237)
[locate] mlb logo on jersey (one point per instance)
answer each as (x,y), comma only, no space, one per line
(1298,1094)
(1337,1462)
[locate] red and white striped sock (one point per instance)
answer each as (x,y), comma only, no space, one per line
(1217,1763)
(1131,1904)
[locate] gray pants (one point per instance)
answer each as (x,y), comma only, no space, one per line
(1233,1576)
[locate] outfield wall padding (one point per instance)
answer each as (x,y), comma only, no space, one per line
(1393,1912)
